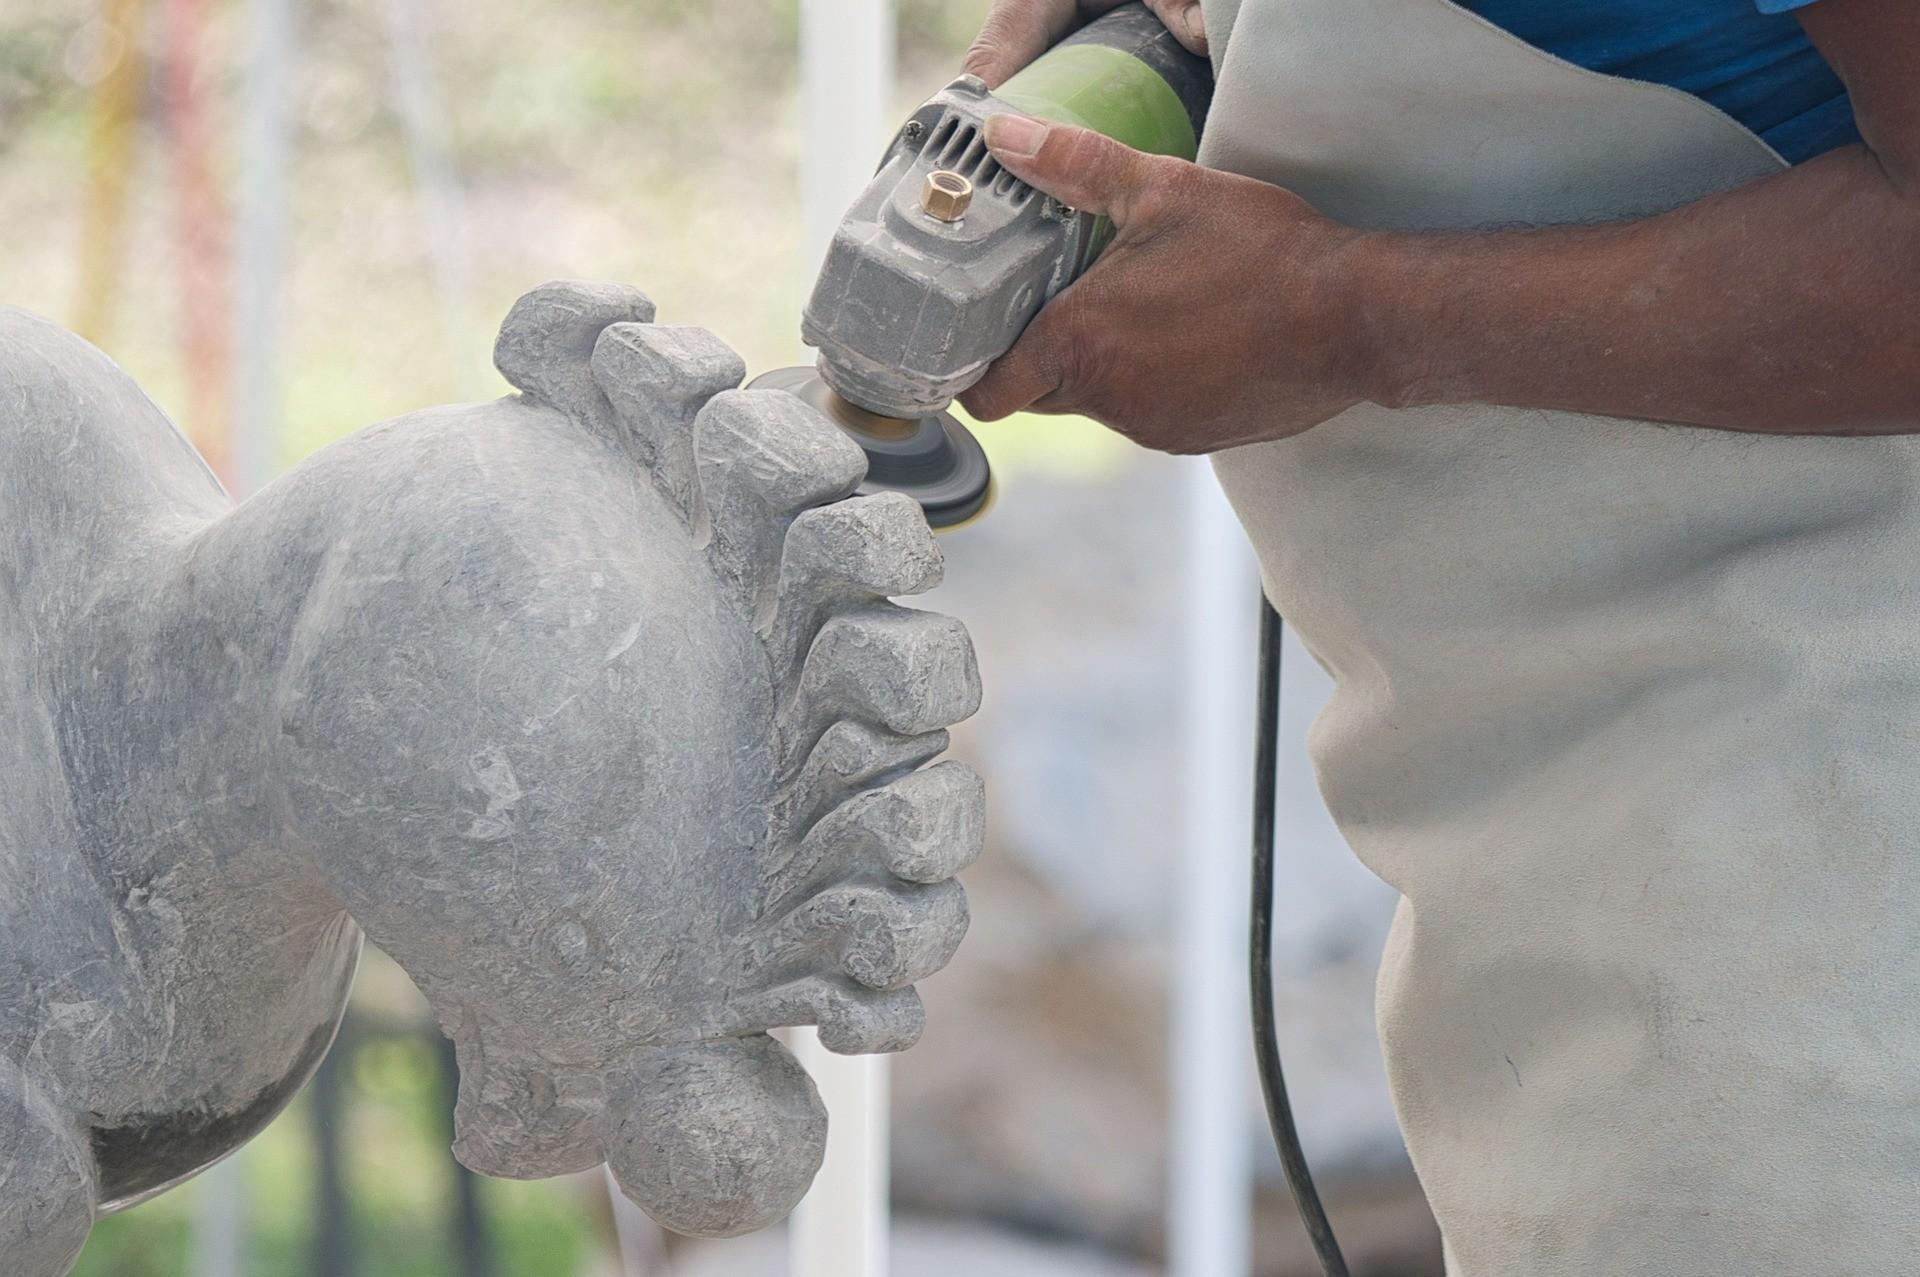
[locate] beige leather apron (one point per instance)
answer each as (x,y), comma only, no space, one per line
(1630,714)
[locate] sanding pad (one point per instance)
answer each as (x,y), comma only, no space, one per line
(933,459)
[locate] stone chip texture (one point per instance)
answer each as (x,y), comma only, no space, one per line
(587,705)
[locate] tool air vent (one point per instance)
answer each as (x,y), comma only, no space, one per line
(956,145)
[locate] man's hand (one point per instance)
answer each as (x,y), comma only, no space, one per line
(1018,31)
(1227,311)
(1218,315)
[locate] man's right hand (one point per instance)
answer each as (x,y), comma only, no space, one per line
(1018,31)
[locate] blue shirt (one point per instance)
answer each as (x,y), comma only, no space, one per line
(1750,58)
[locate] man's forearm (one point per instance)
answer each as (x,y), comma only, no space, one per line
(1227,311)
(1788,305)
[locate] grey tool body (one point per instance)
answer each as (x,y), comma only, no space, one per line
(909,310)
(946,256)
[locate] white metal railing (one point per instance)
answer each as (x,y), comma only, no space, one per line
(1210,1178)
(846,112)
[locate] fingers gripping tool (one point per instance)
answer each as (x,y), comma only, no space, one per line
(933,274)
(946,257)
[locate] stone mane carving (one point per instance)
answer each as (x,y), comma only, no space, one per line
(586,705)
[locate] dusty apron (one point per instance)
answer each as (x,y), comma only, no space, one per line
(1630,714)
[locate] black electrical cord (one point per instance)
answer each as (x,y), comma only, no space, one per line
(1266,1040)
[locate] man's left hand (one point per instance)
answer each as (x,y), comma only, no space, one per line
(1219,315)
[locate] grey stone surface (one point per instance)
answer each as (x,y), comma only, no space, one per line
(586,705)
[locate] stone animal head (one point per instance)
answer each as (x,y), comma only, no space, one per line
(631,743)
(586,704)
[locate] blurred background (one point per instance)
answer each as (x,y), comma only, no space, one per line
(1082,1102)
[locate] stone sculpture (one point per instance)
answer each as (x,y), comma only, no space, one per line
(586,705)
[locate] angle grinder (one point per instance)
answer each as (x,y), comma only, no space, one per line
(934,273)
(945,257)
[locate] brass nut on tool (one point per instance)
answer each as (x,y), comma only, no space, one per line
(946,195)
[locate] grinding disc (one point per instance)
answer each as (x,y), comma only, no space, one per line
(933,459)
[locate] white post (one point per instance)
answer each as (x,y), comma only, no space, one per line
(219,1217)
(264,144)
(846,110)
(437,194)
(1210,1181)
(641,1243)
(846,79)
(219,1235)
(840,1229)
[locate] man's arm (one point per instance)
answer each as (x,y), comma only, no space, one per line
(1788,305)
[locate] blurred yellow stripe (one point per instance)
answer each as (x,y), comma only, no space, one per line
(115,106)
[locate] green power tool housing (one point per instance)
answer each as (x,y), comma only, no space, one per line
(946,257)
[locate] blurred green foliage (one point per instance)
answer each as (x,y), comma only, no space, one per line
(398,1174)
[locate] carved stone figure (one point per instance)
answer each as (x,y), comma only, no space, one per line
(586,705)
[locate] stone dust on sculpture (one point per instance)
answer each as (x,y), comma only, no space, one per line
(586,705)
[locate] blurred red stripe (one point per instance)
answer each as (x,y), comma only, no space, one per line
(201,233)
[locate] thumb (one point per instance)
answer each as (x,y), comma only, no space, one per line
(1185,20)
(1093,173)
